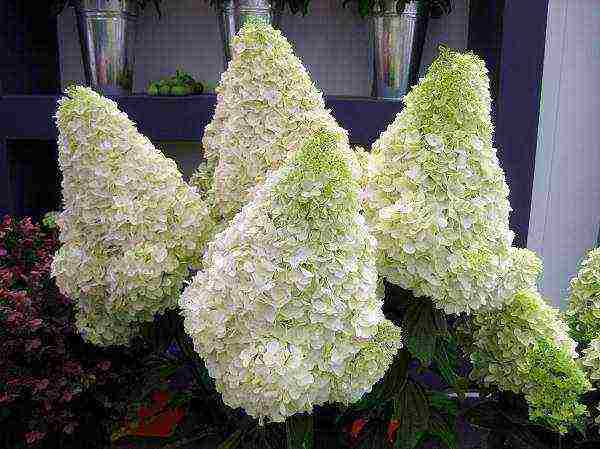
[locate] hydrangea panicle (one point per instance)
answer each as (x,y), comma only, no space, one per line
(436,197)
(583,310)
(524,347)
(264,100)
(285,312)
(130,227)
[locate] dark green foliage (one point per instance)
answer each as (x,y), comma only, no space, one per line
(434,8)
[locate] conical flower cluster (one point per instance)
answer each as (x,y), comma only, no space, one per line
(525,347)
(436,198)
(583,310)
(285,312)
(265,98)
(591,359)
(131,226)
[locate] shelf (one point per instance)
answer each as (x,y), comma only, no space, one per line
(184,118)
(28,118)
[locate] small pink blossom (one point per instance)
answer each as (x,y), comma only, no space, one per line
(34,344)
(35,324)
(34,436)
(105,365)
(42,384)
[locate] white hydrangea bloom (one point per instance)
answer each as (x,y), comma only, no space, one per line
(591,359)
(504,337)
(583,311)
(524,347)
(285,313)
(436,197)
(264,102)
(524,269)
(130,226)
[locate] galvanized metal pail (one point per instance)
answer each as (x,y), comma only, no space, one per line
(234,13)
(396,42)
(107,36)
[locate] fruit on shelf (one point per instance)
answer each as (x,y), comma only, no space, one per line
(182,83)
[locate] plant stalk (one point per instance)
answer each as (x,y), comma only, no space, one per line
(300,432)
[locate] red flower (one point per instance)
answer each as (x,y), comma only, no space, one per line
(357,427)
(392,429)
(19,296)
(34,436)
(160,425)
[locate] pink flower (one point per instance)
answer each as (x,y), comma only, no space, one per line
(35,324)
(72,368)
(105,365)
(34,436)
(33,344)
(42,385)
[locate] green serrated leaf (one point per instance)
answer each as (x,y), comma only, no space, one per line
(411,410)
(423,325)
(446,360)
(168,370)
(443,431)
(440,401)
(396,376)
(422,347)
(487,415)
(524,439)
(233,441)
(300,431)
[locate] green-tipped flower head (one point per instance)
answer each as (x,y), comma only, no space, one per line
(436,197)
(285,312)
(266,106)
(583,310)
(524,347)
(130,225)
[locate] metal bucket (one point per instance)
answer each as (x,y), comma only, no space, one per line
(107,37)
(234,13)
(396,42)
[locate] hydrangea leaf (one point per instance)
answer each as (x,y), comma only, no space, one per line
(423,325)
(411,410)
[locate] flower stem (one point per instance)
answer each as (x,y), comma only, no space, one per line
(300,433)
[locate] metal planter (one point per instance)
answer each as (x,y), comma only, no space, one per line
(396,41)
(234,13)
(107,36)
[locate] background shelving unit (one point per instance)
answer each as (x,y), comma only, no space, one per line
(508,34)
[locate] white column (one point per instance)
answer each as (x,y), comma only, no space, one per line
(565,212)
